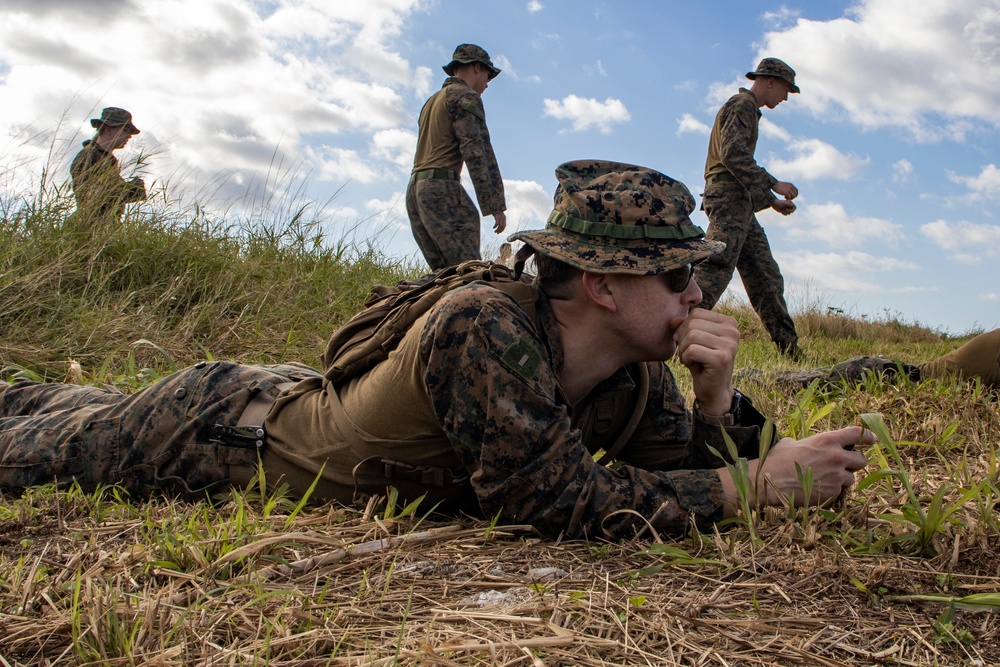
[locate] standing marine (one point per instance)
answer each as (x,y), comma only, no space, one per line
(101,193)
(736,188)
(451,131)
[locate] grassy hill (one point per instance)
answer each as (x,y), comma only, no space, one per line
(903,570)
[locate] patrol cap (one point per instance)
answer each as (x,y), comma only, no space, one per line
(612,217)
(776,68)
(115,117)
(470,53)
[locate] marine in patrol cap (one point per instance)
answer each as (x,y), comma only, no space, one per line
(612,217)
(115,117)
(776,68)
(470,53)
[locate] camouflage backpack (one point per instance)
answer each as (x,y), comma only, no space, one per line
(368,338)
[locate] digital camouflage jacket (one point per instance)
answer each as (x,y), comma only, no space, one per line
(452,130)
(98,186)
(473,388)
(732,144)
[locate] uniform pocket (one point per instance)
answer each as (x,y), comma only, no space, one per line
(40,452)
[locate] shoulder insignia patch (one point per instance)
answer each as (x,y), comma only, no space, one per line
(522,358)
(474,110)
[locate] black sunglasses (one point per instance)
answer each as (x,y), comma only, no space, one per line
(678,279)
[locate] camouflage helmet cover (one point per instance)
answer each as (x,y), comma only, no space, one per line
(470,53)
(114,117)
(611,217)
(776,68)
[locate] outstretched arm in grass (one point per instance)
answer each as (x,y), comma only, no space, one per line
(830,455)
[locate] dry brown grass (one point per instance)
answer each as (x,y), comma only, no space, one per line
(162,583)
(462,597)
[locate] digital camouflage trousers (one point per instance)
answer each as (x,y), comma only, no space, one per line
(164,437)
(444,221)
(732,221)
(851,372)
(977,359)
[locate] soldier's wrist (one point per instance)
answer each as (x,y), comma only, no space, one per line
(729,418)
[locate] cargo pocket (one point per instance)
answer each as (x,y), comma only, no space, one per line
(201,469)
(36,455)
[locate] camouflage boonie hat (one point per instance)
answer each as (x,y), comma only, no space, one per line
(612,217)
(470,53)
(114,117)
(776,68)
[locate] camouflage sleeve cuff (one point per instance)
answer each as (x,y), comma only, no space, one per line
(745,434)
(760,192)
(699,492)
(136,192)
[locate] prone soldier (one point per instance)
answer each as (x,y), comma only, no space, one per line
(495,400)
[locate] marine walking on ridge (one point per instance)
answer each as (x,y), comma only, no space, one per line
(452,131)
(736,187)
(101,193)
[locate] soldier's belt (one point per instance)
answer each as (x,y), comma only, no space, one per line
(433,174)
(423,475)
(259,406)
(724,177)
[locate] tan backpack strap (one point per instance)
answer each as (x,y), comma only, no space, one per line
(642,395)
(258,407)
(520,258)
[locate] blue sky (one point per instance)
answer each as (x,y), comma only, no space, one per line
(892,142)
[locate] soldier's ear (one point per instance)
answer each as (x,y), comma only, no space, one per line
(598,289)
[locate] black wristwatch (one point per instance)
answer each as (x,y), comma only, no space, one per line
(736,409)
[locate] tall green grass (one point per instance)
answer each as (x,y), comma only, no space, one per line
(262,286)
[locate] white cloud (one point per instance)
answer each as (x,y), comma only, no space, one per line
(259,80)
(968,242)
(338,164)
(535,6)
(783,17)
(930,68)
(423,82)
(719,92)
(832,224)
(585,113)
(597,68)
(508,70)
(390,212)
(528,205)
(990,296)
(771,130)
(848,272)
(688,123)
(396,146)
(816,159)
(984,186)
(902,170)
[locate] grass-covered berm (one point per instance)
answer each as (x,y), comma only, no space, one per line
(903,570)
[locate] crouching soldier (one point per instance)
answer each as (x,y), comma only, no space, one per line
(101,193)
